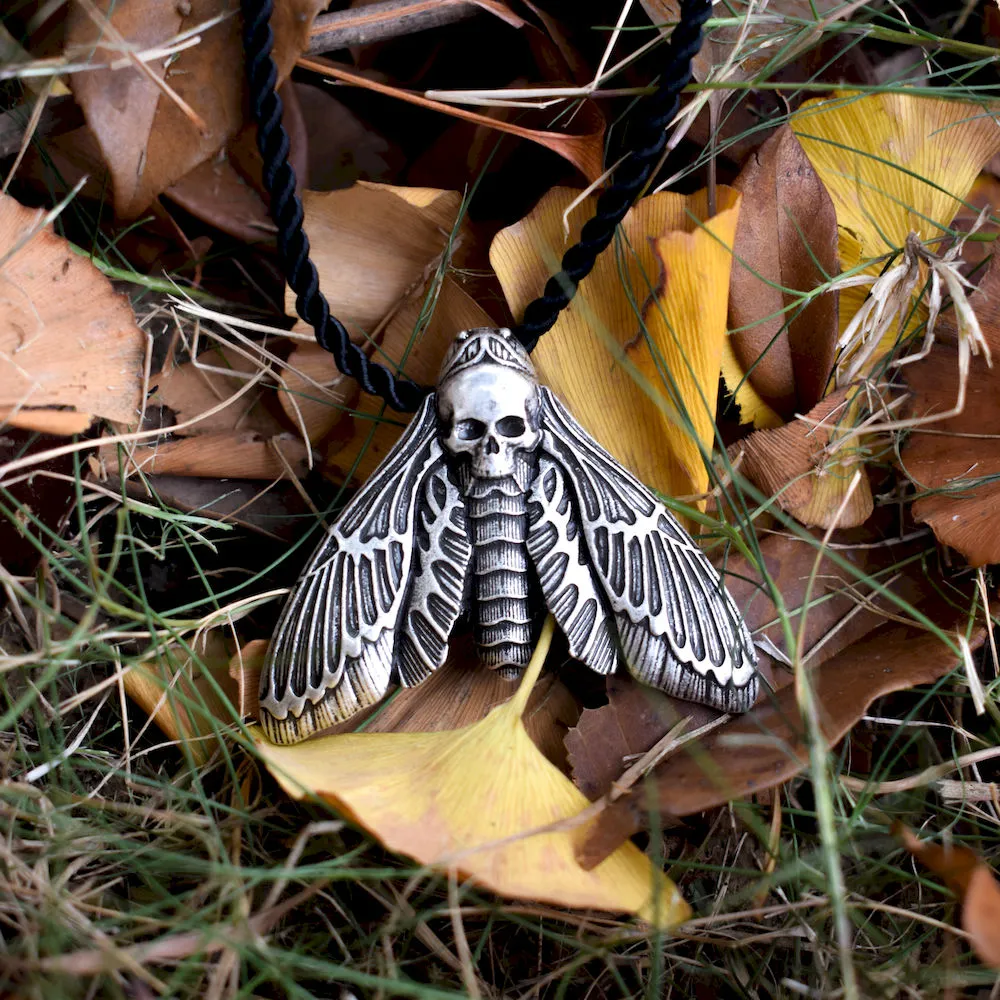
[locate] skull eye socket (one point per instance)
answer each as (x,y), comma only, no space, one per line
(510,427)
(470,430)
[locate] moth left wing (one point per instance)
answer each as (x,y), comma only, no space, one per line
(335,644)
(678,627)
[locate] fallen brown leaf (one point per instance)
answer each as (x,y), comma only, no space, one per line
(632,721)
(156,124)
(973,881)
(786,241)
(343,148)
(67,339)
(236,454)
(315,396)
(955,463)
(841,611)
(193,389)
(245,439)
(227,191)
(769,744)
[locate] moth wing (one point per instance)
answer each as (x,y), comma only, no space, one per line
(332,652)
(441,559)
(678,627)
(558,552)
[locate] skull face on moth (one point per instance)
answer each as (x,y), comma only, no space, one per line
(488,414)
(496,502)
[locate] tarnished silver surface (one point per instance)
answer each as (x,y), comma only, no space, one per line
(495,494)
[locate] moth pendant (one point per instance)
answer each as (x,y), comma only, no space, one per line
(495,503)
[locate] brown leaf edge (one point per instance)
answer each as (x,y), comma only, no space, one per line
(972,880)
(786,238)
(790,464)
(768,745)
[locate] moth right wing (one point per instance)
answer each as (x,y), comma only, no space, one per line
(678,627)
(559,554)
(334,647)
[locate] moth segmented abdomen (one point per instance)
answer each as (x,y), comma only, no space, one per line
(498,527)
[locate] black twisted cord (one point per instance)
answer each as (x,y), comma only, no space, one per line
(286,210)
(293,245)
(649,133)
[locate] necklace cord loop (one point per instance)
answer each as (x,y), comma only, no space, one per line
(649,125)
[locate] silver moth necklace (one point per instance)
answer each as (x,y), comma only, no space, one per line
(493,481)
(495,502)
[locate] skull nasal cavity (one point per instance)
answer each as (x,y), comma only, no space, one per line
(510,427)
(470,430)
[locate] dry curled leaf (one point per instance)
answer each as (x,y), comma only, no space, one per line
(69,346)
(792,465)
(482,801)
(637,354)
(973,881)
(786,241)
(157,123)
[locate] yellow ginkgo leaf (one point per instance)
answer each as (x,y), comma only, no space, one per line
(482,801)
(687,322)
(895,163)
(637,354)
(753,409)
